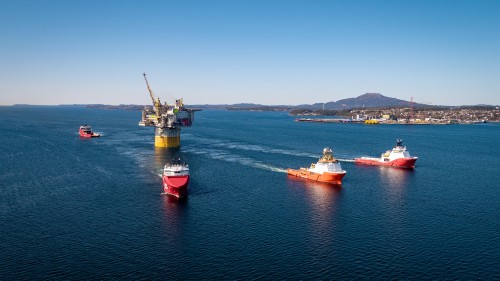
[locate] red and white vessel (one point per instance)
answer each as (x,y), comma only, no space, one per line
(397,157)
(176,178)
(85,131)
(327,169)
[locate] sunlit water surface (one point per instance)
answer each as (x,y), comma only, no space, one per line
(72,208)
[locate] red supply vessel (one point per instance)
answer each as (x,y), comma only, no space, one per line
(397,157)
(176,178)
(86,132)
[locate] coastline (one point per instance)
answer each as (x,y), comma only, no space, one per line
(391,122)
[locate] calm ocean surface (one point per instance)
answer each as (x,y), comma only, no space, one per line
(92,209)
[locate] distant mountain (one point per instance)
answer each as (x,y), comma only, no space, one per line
(366,100)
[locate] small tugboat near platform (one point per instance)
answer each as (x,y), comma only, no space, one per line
(85,131)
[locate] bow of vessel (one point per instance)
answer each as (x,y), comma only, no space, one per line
(85,131)
(176,178)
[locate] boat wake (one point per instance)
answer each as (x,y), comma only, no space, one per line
(249,147)
(227,150)
(235,145)
(233,158)
(271,168)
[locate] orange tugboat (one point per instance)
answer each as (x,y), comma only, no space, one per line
(327,169)
(397,157)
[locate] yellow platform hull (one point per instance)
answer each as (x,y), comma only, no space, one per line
(162,141)
(167,137)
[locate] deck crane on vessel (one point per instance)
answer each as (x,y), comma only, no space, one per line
(167,120)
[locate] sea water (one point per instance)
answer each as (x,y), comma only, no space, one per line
(73,208)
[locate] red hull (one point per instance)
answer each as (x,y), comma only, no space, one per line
(84,134)
(400,163)
(176,185)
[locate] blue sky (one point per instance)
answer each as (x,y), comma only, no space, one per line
(259,51)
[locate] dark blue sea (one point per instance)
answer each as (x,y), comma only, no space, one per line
(74,208)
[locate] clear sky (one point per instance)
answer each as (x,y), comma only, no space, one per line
(258,51)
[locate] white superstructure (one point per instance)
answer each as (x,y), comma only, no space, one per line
(326,164)
(176,169)
(398,152)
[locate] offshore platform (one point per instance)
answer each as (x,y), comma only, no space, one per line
(167,120)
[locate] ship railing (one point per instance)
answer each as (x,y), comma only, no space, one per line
(176,173)
(173,165)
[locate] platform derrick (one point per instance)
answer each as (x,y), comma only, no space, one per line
(167,119)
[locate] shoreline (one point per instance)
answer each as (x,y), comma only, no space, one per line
(389,122)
